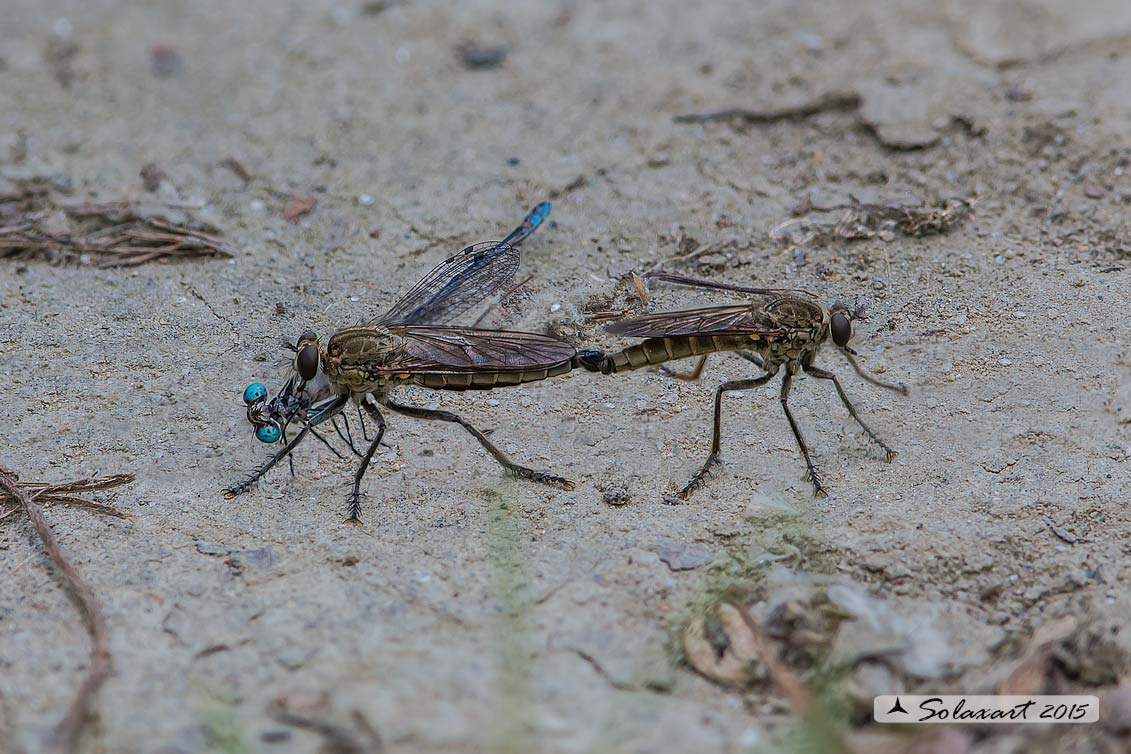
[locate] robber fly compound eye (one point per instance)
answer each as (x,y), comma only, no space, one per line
(841,329)
(268,433)
(307,362)
(254,393)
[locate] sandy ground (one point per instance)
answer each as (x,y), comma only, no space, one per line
(476,613)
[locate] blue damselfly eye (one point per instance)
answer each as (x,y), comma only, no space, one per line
(254,393)
(268,433)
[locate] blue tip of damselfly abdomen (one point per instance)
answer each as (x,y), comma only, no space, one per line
(254,393)
(538,214)
(530,223)
(268,433)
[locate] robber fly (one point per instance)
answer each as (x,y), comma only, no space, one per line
(365,363)
(270,418)
(778,328)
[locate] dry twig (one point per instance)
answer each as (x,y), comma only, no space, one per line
(339,739)
(832,102)
(27,496)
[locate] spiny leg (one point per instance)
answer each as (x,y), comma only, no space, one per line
(513,468)
(821,374)
(355,496)
(330,411)
(716,431)
(691,376)
(811,473)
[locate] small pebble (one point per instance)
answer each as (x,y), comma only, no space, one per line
(480,58)
(555,307)
(365,200)
(1019,314)
(682,556)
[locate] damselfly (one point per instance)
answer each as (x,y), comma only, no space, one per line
(778,328)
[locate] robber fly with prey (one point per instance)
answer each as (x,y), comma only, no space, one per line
(270,418)
(778,328)
(408,345)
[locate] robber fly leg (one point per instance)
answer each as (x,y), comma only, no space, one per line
(513,468)
(753,358)
(821,374)
(328,412)
(347,436)
(290,459)
(691,376)
(355,496)
(812,474)
(361,419)
(716,431)
(325,442)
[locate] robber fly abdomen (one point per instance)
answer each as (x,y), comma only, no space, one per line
(488,380)
(655,351)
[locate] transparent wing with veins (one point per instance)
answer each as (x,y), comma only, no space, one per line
(455,285)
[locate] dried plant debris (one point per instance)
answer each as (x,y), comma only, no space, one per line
(33,225)
(308,711)
(793,633)
(884,221)
(737,116)
(67,493)
(31,498)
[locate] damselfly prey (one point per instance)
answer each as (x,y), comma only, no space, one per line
(777,328)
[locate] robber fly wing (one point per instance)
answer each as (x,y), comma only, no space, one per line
(460,350)
(671,277)
(455,285)
(713,320)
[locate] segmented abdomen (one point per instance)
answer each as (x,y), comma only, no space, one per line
(487,380)
(655,351)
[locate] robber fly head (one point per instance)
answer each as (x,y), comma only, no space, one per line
(307,357)
(840,323)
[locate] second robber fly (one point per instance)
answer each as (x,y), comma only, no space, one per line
(776,329)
